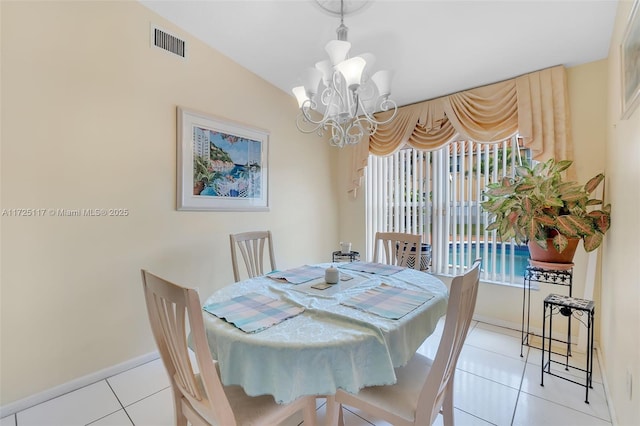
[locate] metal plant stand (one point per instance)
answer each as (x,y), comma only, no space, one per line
(352,256)
(548,276)
(584,311)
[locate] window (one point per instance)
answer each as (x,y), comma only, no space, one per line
(437,195)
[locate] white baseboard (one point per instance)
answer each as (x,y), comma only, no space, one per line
(605,384)
(78,383)
(538,331)
(497,322)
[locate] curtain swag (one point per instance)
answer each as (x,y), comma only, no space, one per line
(535,105)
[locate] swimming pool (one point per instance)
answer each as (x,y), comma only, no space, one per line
(520,260)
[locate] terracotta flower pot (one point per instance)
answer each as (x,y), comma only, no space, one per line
(198,187)
(551,255)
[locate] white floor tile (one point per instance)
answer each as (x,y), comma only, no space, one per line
(483,398)
(577,359)
(297,418)
(440,325)
(460,418)
(140,382)
(566,393)
(79,407)
(119,418)
(155,410)
(8,420)
(491,365)
(501,330)
(350,419)
(494,341)
(355,417)
(532,410)
(294,420)
(430,346)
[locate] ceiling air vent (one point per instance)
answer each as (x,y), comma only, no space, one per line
(168,42)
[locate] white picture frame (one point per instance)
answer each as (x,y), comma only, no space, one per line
(222,164)
(630,63)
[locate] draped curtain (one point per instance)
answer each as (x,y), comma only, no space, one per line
(535,105)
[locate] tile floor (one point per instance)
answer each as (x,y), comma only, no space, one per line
(493,386)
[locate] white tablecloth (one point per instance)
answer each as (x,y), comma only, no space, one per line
(330,345)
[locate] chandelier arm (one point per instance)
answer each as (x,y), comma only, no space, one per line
(340,90)
(311,105)
(338,135)
(356,130)
(318,127)
(315,127)
(386,105)
(358,105)
(363,124)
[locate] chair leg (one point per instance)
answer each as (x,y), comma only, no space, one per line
(447,404)
(309,412)
(333,412)
(181,418)
(191,416)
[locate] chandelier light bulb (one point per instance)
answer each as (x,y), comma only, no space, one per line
(311,81)
(370,59)
(382,80)
(351,70)
(326,68)
(301,95)
(337,50)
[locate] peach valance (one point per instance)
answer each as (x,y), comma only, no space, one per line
(535,105)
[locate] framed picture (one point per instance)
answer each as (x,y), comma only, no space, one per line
(630,57)
(222,165)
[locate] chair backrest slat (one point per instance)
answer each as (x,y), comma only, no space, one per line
(252,248)
(462,302)
(396,248)
(170,308)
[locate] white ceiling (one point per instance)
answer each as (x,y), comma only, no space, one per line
(433,47)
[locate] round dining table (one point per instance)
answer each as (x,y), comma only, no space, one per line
(333,343)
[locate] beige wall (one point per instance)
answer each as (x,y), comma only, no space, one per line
(89,121)
(620,310)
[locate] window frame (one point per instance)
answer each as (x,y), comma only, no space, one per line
(398,199)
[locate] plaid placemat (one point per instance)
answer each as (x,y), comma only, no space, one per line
(298,275)
(372,268)
(388,301)
(253,312)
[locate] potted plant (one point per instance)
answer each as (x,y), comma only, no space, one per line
(539,208)
(203,174)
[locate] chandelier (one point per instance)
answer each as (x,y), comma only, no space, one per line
(340,96)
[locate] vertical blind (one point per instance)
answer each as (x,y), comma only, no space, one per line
(437,195)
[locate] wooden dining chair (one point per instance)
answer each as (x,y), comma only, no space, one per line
(396,248)
(252,248)
(424,387)
(202,399)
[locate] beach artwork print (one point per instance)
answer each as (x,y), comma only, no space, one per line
(222,165)
(225,165)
